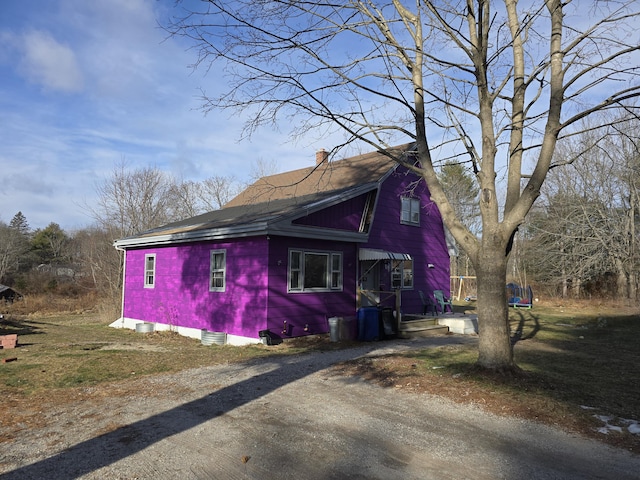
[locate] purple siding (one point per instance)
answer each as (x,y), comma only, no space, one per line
(181,293)
(344,216)
(307,309)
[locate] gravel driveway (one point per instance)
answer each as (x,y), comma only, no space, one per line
(294,418)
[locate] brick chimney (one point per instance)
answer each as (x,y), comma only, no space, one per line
(321,156)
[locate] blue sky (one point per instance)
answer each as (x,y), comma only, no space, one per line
(87,84)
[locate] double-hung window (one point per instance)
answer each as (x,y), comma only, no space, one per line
(314,271)
(402,274)
(149,270)
(410,211)
(218,271)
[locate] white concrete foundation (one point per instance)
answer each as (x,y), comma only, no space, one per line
(235,340)
(467,325)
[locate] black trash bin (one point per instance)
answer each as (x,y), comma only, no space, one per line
(388,325)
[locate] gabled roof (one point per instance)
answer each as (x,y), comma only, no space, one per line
(319,180)
(8,292)
(271,203)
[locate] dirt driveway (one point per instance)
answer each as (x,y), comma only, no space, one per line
(293,418)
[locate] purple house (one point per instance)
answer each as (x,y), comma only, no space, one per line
(290,252)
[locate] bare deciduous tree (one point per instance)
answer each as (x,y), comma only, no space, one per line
(94,251)
(185,199)
(132,201)
(129,202)
(586,228)
(218,190)
(263,168)
(494,82)
(10,242)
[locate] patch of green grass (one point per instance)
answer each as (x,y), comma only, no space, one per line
(588,361)
(580,358)
(453,358)
(18,376)
(106,367)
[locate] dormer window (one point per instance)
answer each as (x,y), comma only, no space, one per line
(410,213)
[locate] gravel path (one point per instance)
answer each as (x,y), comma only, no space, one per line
(294,418)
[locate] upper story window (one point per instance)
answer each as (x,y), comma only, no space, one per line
(314,271)
(218,271)
(149,270)
(402,274)
(410,212)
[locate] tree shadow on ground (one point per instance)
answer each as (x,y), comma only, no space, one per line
(109,448)
(10,325)
(527,327)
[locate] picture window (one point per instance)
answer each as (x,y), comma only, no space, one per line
(314,271)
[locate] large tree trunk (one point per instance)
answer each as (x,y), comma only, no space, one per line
(495,349)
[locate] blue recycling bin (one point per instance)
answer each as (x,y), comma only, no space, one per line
(368,324)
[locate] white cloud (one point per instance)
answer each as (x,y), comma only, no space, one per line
(49,63)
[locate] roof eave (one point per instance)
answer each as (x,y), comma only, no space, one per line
(248,230)
(317,233)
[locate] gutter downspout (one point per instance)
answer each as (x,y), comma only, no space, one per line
(124,276)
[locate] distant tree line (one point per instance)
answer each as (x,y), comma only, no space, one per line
(36,260)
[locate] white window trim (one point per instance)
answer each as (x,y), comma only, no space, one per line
(299,270)
(337,271)
(149,273)
(414,211)
(213,288)
(331,255)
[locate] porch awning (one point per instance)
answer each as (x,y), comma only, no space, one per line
(374,254)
